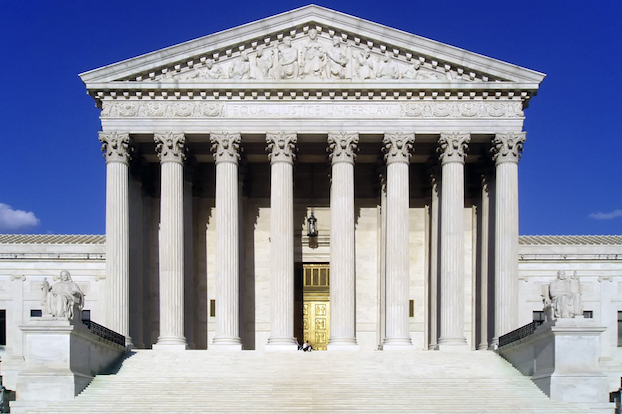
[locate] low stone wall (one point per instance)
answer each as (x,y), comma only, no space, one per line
(561,357)
(61,360)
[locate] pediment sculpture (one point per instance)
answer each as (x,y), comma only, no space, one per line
(314,57)
(562,298)
(63,299)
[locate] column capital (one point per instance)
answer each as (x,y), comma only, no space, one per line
(342,146)
(115,146)
(170,146)
(453,147)
(507,147)
(397,147)
(226,146)
(281,146)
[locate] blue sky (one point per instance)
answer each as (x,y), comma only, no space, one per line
(52,174)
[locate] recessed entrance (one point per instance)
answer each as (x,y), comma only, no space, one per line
(313,304)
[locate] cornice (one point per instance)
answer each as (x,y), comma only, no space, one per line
(296,23)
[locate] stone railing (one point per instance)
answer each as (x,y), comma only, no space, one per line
(104,332)
(562,358)
(517,334)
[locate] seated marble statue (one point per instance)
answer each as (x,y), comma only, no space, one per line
(62,299)
(563,296)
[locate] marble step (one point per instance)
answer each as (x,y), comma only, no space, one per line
(320,382)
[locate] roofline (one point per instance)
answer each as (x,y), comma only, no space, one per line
(305,15)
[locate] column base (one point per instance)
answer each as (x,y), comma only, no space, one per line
(397,344)
(281,344)
(342,344)
(226,344)
(171,343)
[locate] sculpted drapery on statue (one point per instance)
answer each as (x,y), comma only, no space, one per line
(562,296)
(288,60)
(63,299)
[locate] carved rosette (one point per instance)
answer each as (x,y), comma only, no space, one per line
(507,147)
(397,147)
(281,146)
(170,146)
(453,147)
(342,146)
(226,147)
(115,146)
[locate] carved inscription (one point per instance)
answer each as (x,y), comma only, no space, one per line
(190,109)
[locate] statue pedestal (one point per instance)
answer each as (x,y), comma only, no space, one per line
(62,357)
(561,357)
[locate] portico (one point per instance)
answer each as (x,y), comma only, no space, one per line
(318,114)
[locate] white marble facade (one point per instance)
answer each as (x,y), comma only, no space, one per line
(218,149)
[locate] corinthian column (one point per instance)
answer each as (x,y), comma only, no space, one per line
(281,147)
(484,247)
(506,150)
(342,147)
(226,153)
(452,149)
(435,181)
(171,151)
(397,150)
(116,149)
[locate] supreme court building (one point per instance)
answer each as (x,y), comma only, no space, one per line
(312,175)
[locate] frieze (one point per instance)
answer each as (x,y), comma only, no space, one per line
(462,110)
(185,109)
(190,109)
(314,55)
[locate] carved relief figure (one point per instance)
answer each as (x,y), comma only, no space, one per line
(208,72)
(387,68)
(413,71)
(313,57)
(563,296)
(62,299)
(365,64)
(241,68)
(288,60)
(337,60)
(264,64)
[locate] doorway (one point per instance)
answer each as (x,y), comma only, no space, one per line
(313,304)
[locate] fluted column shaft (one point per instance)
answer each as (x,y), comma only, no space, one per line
(397,148)
(281,147)
(452,148)
(507,150)
(484,260)
(342,147)
(225,147)
(434,256)
(116,149)
(171,150)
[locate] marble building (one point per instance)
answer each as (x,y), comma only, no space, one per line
(405,151)
(314,176)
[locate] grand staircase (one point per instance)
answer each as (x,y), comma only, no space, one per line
(315,382)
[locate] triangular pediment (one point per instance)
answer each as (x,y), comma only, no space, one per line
(315,45)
